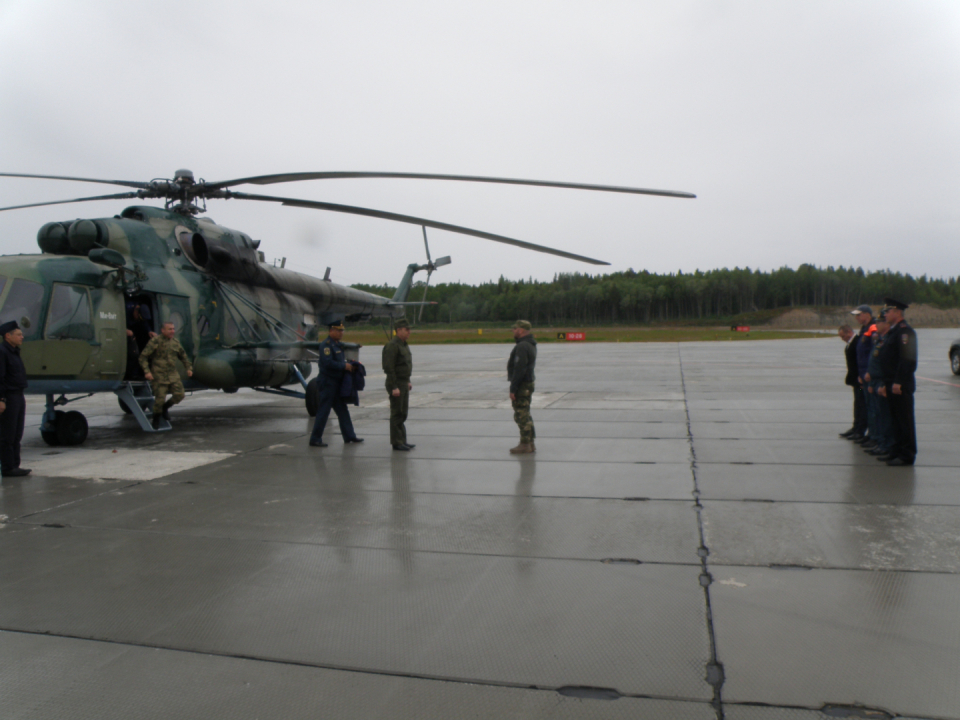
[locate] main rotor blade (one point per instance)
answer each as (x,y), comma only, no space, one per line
(296,177)
(118,196)
(350,209)
(124,183)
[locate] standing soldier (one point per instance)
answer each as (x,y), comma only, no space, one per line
(398,366)
(333,365)
(900,364)
(520,367)
(158,361)
(13,407)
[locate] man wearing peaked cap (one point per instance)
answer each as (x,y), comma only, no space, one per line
(899,384)
(13,406)
(333,365)
(398,367)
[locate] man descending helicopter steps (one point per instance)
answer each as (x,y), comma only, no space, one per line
(158,361)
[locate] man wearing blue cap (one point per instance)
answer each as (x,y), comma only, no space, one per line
(333,365)
(13,406)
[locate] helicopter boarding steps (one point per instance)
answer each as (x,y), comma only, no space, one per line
(138,398)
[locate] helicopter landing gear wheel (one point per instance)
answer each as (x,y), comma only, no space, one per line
(50,437)
(312,398)
(71,428)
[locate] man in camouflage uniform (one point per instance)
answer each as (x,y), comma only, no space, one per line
(520,367)
(398,366)
(158,361)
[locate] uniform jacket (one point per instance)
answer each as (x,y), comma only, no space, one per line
(13,375)
(352,383)
(875,365)
(850,353)
(333,364)
(522,361)
(159,358)
(900,360)
(397,363)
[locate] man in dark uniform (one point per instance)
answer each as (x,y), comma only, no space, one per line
(520,373)
(398,366)
(881,431)
(899,366)
(13,407)
(332,367)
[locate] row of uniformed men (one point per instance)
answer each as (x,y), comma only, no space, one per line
(881,365)
(397,363)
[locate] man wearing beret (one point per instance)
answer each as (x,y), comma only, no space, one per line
(520,367)
(333,365)
(899,384)
(398,366)
(13,407)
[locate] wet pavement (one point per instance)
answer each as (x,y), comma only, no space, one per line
(691,540)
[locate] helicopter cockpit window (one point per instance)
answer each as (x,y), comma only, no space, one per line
(70,317)
(23,304)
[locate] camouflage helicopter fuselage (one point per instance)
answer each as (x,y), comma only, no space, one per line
(243,323)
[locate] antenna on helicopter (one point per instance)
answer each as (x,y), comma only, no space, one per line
(430,267)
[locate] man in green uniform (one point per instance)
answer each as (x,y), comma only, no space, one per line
(520,367)
(158,361)
(398,366)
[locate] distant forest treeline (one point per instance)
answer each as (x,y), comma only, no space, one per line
(642,297)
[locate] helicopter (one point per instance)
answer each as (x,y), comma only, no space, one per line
(243,322)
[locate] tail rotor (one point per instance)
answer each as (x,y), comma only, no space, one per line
(430,267)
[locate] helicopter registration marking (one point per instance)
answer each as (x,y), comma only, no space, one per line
(107,315)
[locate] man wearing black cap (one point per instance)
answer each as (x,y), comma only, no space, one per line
(899,384)
(13,381)
(333,365)
(398,366)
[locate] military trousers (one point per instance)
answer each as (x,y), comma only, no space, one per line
(859,411)
(161,388)
(11,430)
(904,427)
(398,415)
(884,432)
(521,412)
(330,400)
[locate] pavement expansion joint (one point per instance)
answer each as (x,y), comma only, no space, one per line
(714,668)
(589,693)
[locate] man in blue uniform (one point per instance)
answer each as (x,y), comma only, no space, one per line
(899,366)
(13,407)
(332,367)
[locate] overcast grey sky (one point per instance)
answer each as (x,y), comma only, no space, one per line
(821,131)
